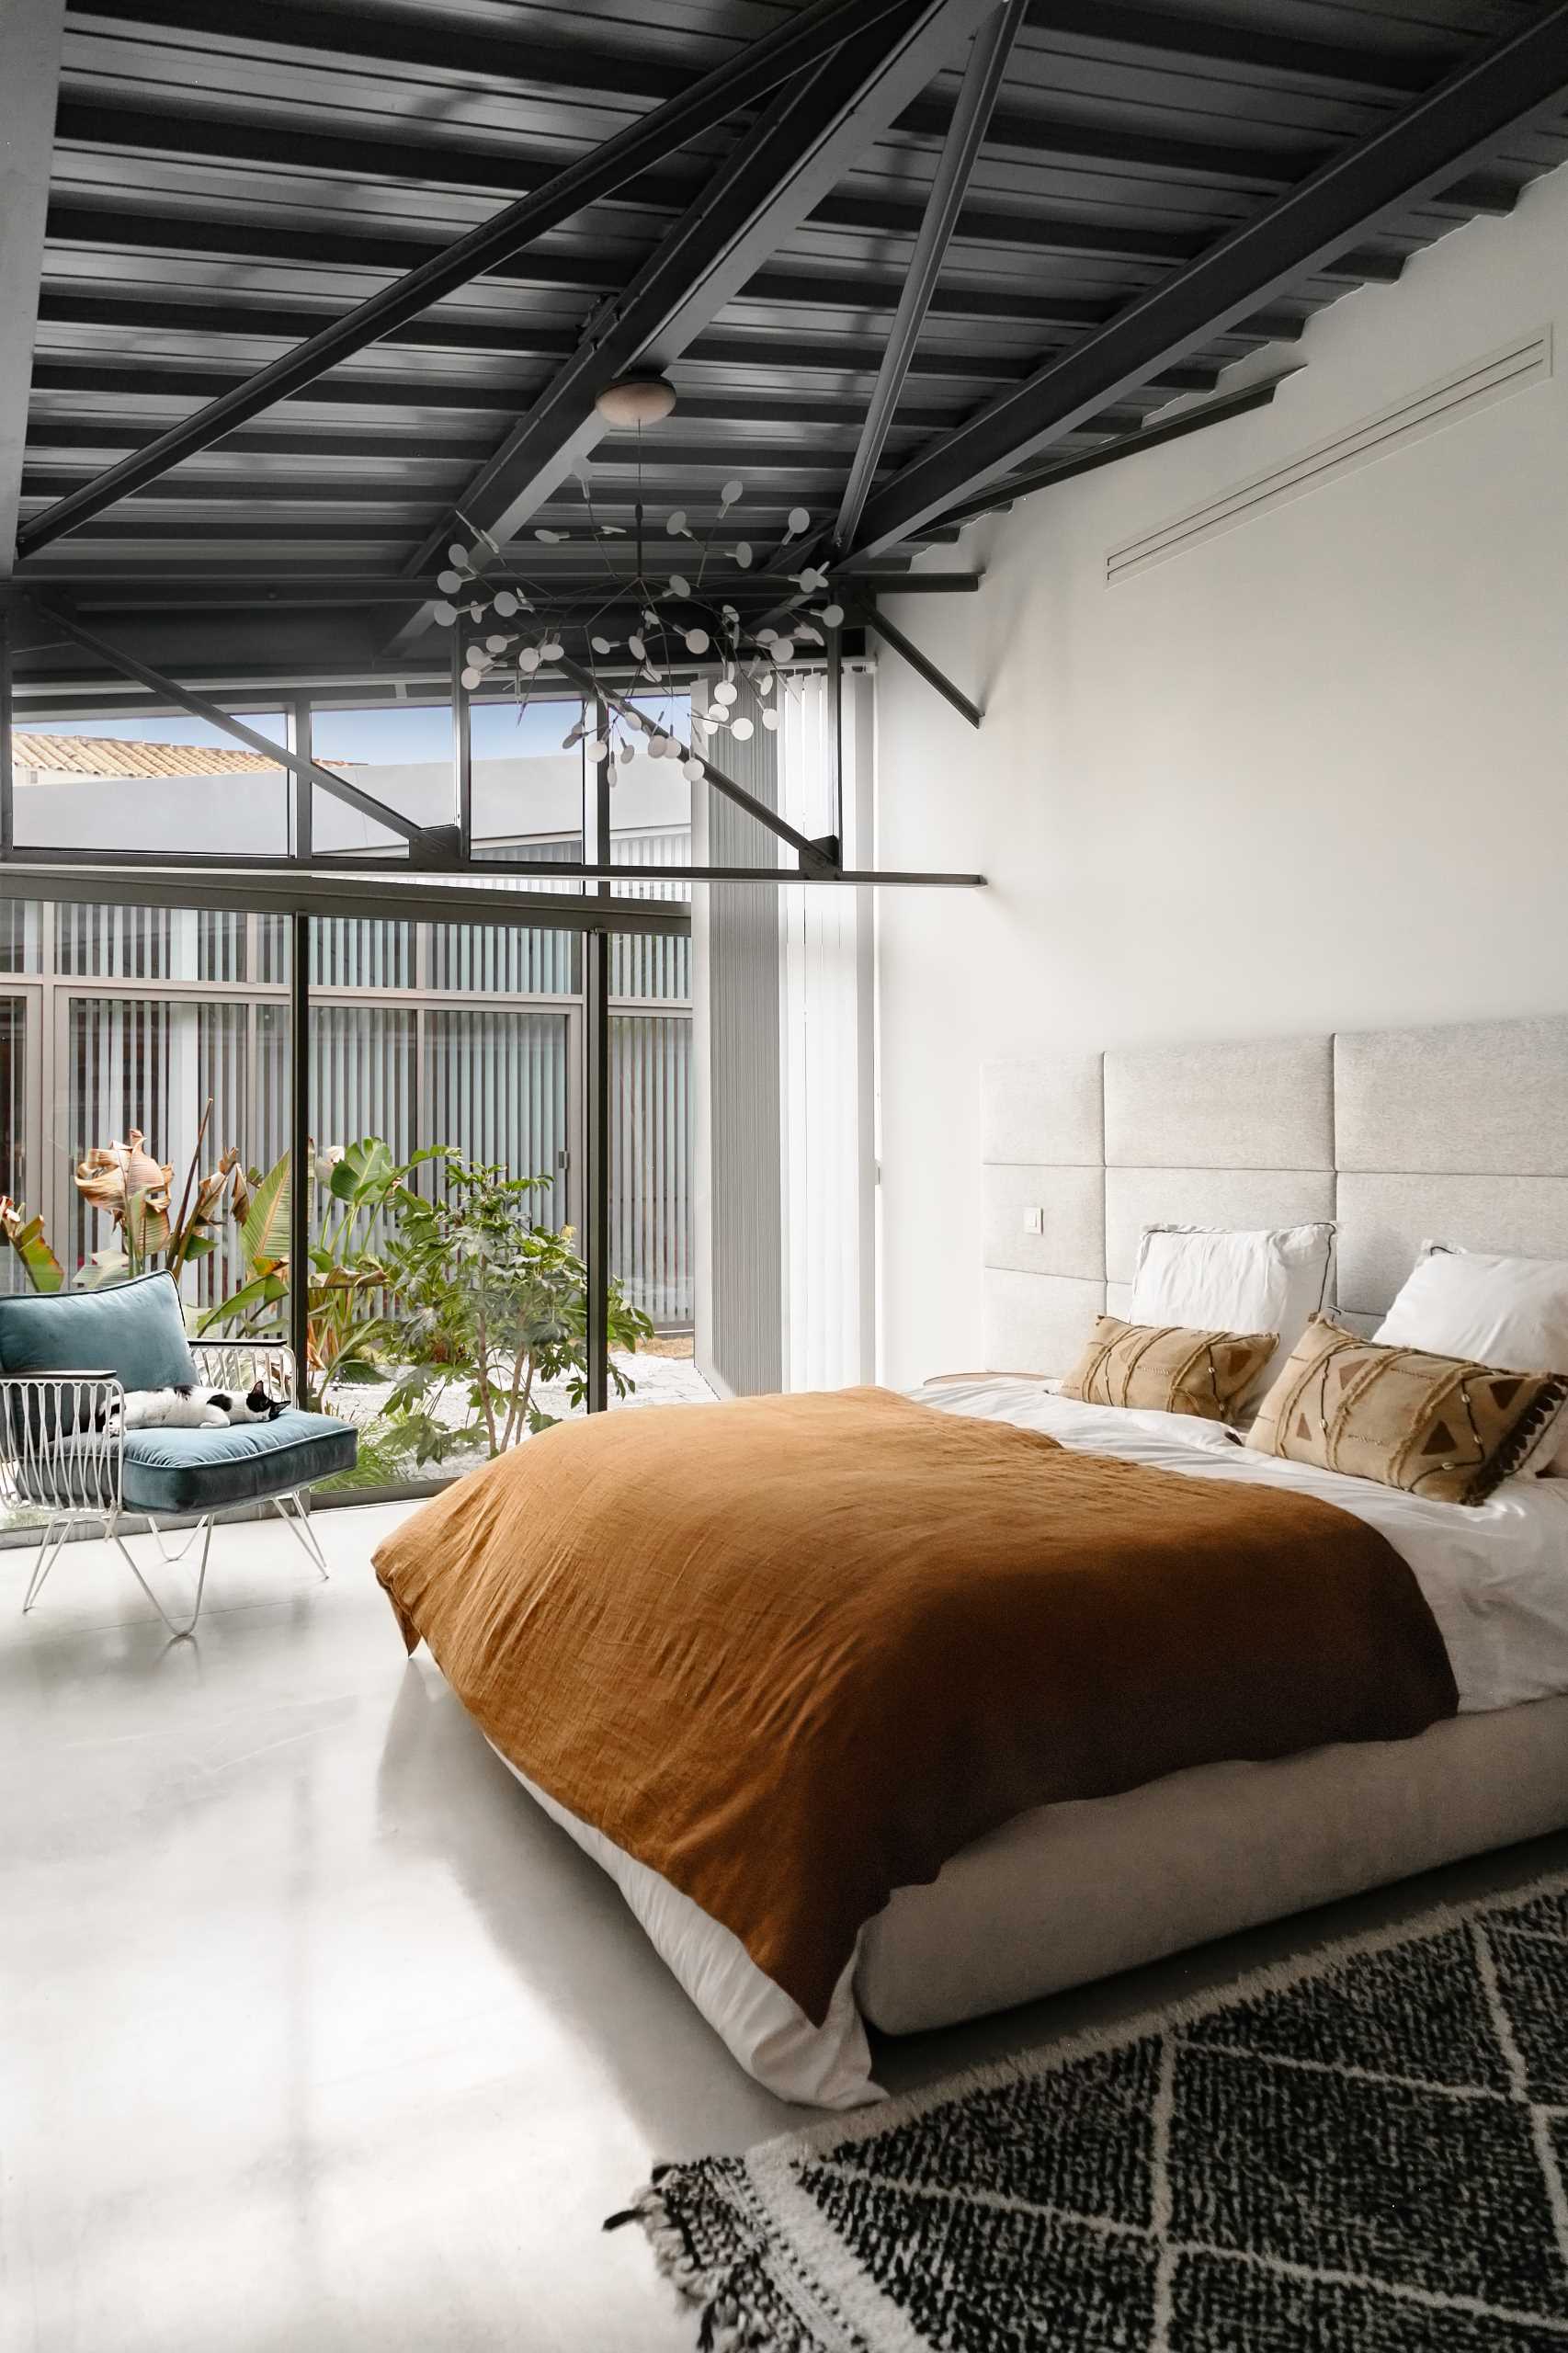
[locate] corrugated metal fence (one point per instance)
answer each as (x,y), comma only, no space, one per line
(421,1033)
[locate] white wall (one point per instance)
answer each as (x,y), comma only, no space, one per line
(248,815)
(1311,773)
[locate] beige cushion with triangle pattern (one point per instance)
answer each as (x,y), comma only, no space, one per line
(1441,1426)
(1170,1368)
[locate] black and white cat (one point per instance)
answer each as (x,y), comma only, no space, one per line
(187,1407)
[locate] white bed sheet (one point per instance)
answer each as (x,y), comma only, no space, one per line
(1496,1579)
(1495,1576)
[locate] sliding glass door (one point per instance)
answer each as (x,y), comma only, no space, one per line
(446,1304)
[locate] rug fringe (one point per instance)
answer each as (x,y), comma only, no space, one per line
(721,2326)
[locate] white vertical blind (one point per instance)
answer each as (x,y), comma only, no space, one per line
(826,1062)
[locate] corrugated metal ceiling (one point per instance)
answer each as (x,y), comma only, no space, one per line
(225,182)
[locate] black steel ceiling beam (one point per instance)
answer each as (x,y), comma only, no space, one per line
(966,128)
(810,858)
(170,534)
(98,590)
(1123,445)
(262,321)
(331,889)
(448,47)
(76,221)
(1230,41)
(921,664)
(982,300)
(28,84)
(399,447)
(769,184)
(169,690)
(374,443)
(151,310)
(749,77)
(1036,233)
(1046,139)
(1518,81)
(582,272)
(445,45)
(276,889)
(742,409)
(276,142)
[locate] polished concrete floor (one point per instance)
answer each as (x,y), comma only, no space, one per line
(315,2034)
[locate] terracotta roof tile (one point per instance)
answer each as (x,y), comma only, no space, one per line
(127,756)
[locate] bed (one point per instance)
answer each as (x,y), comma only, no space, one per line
(1395,1135)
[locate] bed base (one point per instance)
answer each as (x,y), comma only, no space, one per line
(1068,1894)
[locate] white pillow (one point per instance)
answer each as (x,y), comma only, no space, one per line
(1270,1281)
(1512,1313)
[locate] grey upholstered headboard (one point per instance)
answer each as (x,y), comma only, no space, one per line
(1461,1133)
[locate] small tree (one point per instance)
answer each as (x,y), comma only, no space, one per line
(491,1301)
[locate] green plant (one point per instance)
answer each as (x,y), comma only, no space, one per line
(489,1304)
(25,1234)
(457,1290)
(348,1322)
(126,1183)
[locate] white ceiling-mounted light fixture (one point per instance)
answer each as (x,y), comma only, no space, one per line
(678,614)
(636,400)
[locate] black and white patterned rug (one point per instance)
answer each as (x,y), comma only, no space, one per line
(1365,2152)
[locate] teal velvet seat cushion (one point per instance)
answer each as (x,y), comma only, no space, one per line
(212,1470)
(136,1330)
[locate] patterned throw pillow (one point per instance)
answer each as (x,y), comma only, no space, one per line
(1434,1425)
(1166,1369)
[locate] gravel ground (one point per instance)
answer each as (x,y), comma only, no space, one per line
(660,1381)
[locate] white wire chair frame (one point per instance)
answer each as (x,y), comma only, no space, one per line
(62,1451)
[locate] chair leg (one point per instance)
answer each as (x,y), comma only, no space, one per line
(49,1549)
(171,1559)
(299,1526)
(202,1528)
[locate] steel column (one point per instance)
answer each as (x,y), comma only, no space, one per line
(299,1140)
(7,777)
(597,952)
(463,750)
(300,741)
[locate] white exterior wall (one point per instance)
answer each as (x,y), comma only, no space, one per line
(1312,773)
(248,815)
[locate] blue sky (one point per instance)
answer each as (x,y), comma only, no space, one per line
(392,733)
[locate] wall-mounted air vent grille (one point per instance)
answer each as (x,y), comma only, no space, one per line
(1484,380)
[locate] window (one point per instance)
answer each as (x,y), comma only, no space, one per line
(400,756)
(137,783)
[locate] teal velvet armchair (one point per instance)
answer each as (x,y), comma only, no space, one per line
(67,1360)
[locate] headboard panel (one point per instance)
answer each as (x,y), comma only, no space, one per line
(1459,1132)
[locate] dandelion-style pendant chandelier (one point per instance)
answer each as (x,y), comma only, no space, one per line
(527,624)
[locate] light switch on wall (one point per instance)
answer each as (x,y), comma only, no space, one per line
(1034,1220)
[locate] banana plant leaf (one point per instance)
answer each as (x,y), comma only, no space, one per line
(262,1290)
(264,1236)
(43,1269)
(365,1172)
